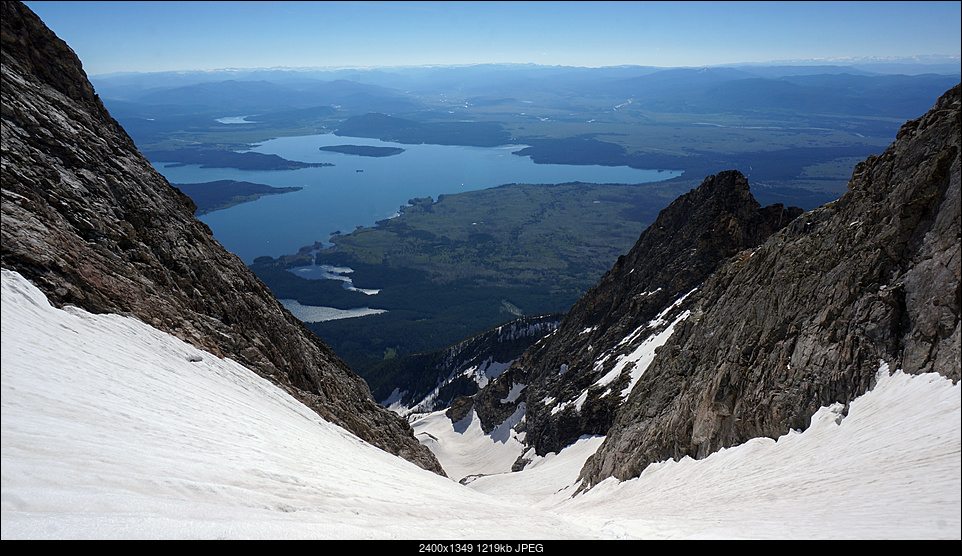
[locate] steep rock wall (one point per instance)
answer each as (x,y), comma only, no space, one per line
(807,319)
(565,392)
(88,220)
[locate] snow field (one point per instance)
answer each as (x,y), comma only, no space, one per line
(112,429)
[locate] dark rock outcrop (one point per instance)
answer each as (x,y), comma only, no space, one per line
(88,221)
(431,381)
(565,389)
(808,318)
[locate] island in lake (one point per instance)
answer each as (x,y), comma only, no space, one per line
(222,194)
(361,150)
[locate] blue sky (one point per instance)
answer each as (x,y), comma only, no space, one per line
(160,36)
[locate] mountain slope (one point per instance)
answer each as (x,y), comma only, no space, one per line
(113,429)
(573,378)
(88,220)
(697,341)
(804,320)
(428,381)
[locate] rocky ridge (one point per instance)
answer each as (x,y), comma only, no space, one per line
(91,223)
(574,379)
(723,325)
(434,380)
(807,319)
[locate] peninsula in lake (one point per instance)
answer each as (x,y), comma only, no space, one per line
(363,150)
(214,158)
(222,194)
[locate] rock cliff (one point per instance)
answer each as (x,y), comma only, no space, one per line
(807,318)
(575,379)
(728,321)
(88,220)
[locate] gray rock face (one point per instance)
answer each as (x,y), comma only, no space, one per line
(807,318)
(88,220)
(573,379)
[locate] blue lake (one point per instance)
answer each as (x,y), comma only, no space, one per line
(360,190)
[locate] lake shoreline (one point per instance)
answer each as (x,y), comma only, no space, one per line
(336,195)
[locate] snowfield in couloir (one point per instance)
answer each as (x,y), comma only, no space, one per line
(112,429)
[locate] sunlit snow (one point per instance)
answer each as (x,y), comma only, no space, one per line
(642,356)
(111,429)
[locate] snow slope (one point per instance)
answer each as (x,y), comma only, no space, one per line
(111,429)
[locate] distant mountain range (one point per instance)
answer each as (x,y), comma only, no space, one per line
(424,93)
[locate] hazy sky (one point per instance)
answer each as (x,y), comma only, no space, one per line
(159,36)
